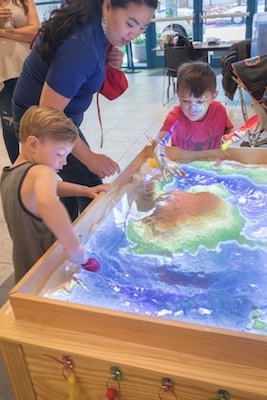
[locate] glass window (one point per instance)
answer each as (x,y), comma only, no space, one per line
(173,18)
(225,20)
(44,7)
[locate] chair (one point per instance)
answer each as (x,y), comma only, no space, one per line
(251,76)
(237,52)
(244,68)
(174,57)
(179,34)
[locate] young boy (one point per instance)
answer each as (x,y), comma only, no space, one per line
(30,189)
(198,122)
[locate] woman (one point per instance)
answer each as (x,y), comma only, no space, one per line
(67,66)
(19,23)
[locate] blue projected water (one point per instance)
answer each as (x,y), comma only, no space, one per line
(189,249)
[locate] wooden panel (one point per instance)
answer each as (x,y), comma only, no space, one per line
(93,376)
(17,369)
(245,348)
(195,378)
(240,154)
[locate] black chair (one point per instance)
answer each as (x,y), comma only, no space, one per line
(174,57)
(180,34)
(177,28)
(238,51)
(250,75)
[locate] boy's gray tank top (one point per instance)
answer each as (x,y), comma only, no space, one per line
(31,237)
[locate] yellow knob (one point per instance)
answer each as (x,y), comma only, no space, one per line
(153,163)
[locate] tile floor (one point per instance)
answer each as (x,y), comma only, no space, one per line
(127,122)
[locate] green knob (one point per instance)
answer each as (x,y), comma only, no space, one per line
(222,395)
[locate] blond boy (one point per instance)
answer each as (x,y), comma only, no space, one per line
(30,189)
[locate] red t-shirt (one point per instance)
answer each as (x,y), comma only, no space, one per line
(198,135)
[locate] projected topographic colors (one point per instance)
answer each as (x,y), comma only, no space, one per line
(189,248)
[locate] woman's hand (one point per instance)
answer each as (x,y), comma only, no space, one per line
(102,165)
(99,164)
(5,14)
(115,58)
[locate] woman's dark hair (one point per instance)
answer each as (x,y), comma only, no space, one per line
(73,13)
(23,3)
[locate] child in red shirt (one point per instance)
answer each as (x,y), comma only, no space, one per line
(198,122)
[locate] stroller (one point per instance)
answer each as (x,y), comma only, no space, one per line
(242,72)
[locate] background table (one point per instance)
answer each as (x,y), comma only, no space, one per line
(203,50)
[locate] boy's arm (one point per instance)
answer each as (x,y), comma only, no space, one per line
(161,135)
(165,164)
(237,134)
(55,216)
(68,189)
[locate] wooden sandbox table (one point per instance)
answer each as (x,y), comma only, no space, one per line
(59,350)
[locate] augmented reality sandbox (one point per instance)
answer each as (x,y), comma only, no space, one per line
(189,248)
(183,274)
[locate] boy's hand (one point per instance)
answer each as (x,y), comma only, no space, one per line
(165,164)
(234,136)
(238,135)
(78,255)
(95,190)
(170,167)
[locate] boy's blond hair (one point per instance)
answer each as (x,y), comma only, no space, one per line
(47,123)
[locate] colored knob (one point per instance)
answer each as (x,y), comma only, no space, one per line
(154,163)
(91,265)
(111,394)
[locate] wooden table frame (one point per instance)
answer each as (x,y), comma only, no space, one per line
(35,331)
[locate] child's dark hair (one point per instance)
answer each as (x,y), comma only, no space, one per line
(196,78)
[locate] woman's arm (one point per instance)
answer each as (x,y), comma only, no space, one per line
(25,33)
(99,164)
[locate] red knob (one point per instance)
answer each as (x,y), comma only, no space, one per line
(91,265)
(111,394)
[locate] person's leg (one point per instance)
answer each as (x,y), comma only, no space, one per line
(9,134)
(76,172)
